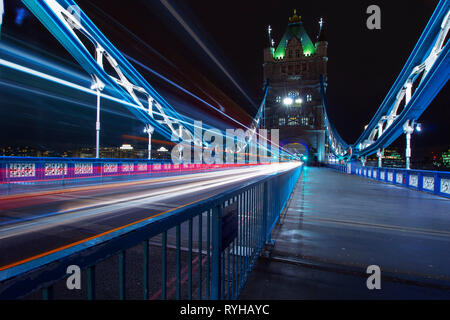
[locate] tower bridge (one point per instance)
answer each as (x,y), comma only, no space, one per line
(279,228)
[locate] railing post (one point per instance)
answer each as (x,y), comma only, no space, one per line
(265,235)
(437,184)
(216,252)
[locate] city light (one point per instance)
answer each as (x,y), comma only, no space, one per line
(126,146)
(298,101)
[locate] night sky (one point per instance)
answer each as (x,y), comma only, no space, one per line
(363,64)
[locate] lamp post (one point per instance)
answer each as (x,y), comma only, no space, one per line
(408,129)
(149,130)
(98,86)
(380,155)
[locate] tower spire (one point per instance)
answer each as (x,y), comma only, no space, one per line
(321,36)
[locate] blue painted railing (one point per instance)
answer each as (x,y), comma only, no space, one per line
(436,182)
(235,227)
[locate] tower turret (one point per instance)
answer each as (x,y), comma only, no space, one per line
(321,44)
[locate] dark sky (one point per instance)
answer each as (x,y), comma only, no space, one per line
(363,64)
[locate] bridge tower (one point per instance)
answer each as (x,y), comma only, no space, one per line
(294,104)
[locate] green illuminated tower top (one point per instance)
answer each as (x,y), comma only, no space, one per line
(295,29)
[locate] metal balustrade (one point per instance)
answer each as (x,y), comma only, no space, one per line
(204,250)
(436,182)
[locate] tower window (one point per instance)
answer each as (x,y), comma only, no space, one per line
(292,121)
(293,94)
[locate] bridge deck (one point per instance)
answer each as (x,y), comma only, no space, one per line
(337,224)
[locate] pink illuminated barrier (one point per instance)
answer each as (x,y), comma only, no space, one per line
(17,170)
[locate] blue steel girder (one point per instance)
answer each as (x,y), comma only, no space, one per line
(428,65)
(436,78)
(92,50)
(70,26)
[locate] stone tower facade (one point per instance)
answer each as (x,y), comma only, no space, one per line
(294,104)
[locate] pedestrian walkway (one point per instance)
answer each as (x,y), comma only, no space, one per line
(338,224)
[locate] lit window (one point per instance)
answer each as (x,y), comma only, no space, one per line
(308,97)
(281,121)
(304,121)
(293,94)
(292,121)
(278,99)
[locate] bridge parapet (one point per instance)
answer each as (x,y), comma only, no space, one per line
(29,171)
(436,182)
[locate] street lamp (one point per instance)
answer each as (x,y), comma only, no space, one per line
(149,130)
(287,101)
(408,128)
(98,86)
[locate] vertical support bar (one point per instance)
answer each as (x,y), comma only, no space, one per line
(234,270)
(241,246)
(145,267)
(437,183)
(253,237)
(216,249)
(253,224)
(91,282)
(164,265)
(47,293)
(264,214)
(222,285)
(122,275)
(190,260)
(208,252)
(247,236)
(200,258)
(408,151)
(178,263)
(228,273)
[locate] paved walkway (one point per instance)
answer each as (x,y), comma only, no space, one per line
(337,224)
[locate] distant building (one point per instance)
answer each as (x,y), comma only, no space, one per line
(445,156)
(294,104)
(393,159)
